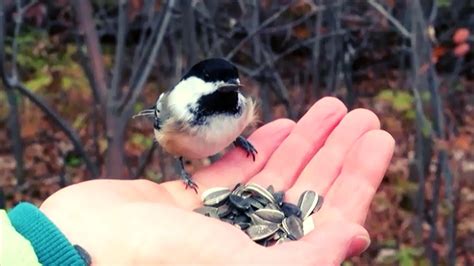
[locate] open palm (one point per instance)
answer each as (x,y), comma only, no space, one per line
(341,155)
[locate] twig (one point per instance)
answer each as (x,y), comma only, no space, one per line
(83,13)
(437,105)
(295,22)
(83,61)
(62,124)
(334,52)
(347,72)
(433,217)
(280,88)
(188,31)
(138,81)
(418,172)
(264,96)
(18,22)
(288,51)
(390,18)
(148,10)
(257,30)
(13,122)
(316,52)
(116,91)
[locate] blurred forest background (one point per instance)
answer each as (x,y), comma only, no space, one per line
(74,72)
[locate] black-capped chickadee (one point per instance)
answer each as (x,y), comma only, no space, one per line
(203,114)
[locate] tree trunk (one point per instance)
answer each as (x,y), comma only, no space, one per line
(115,166)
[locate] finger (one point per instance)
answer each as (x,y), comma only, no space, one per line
(329,244)
(361,174)
(234,167)
(303,142)
(325,166)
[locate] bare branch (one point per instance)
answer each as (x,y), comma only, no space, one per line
(267,22)
(83,13)
(297,21)
(13,121)
(405,33)
(316,52)
(138,81)
(148,10)
(188,29)
(280,88)
(14,83)
(122,21)
(62,124)
(288,51)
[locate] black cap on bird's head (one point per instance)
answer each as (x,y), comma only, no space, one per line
(211,87)
(214,70)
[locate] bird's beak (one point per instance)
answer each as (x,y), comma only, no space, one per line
(228,87)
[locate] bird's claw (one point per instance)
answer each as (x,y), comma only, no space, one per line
(190,184)
(247,146)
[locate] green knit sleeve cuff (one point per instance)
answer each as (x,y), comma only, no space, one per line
(50,245)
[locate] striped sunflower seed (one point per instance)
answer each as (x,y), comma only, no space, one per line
(238,189)
(307,202)
(274,216)
(239,202)
(207,211)
(242,226)
(261,191)
(290,209)
(271,189)
(279,197)
(261,231)
(293,226)
(262,213)
(255,203)
(258,220)
(223,210)
(215,196)
(308,225)
(319,204)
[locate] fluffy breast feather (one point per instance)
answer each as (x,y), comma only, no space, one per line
(195,142)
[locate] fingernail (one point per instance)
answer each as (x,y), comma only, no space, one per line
(358,245)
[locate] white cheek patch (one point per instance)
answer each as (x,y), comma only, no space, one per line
(158,104)
(186,94)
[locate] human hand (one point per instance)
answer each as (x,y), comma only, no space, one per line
(342,156)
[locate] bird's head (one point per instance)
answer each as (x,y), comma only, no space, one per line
(211,87)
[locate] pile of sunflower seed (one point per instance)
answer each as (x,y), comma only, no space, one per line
(261,212)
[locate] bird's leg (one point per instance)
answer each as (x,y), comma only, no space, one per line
(246,145)
(186,176)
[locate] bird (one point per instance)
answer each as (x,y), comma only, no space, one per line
(204,113)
